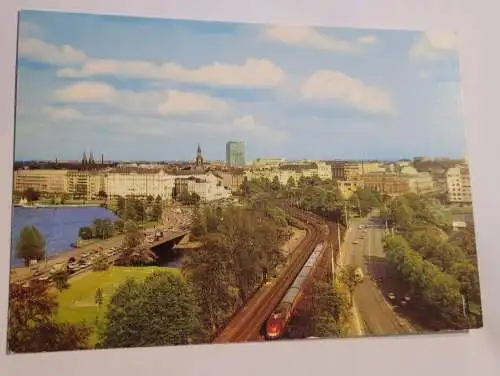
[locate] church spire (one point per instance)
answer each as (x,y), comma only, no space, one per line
(84,159)
(199,158)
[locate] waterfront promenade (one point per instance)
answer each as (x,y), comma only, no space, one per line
(20,273)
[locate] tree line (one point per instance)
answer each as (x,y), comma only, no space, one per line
(439,265)
(139,210)
(241,248)
(320,196)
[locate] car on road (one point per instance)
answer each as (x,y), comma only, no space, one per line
(355,242)
(358,273)
(37,273)
(391,296)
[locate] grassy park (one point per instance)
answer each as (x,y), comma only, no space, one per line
(77,303)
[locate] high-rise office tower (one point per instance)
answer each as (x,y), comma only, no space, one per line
(235,153)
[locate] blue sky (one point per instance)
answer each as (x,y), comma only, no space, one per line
(150,89)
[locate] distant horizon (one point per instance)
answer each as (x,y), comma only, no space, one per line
(98,161)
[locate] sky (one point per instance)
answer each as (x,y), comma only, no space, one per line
(153,89)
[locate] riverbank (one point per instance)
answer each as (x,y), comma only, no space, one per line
(38,206)
(22,272)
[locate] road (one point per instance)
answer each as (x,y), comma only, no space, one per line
(24,273)
(376,314)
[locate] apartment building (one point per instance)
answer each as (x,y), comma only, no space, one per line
(47,181)
(231,180)
(396,184)
(294,170)
(84,184)
(207,186)
(458,184)
(137,182)
(348,187)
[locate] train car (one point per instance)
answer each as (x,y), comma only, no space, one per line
(276,324)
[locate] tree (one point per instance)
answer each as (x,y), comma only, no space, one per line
(276,185)
(98,297)
(121,206)
(466,239)
(85,233)
(108,229)
(140,255)
(330,310)
(31,324)
(156,211)
(30,245)
(97,228)
(130,212)
(199,225)
(368,200)
(61,279)
(349,278)
(140,210)
(102,195)
(64,198)
(31,195)
(119,225)
(194,198)
(132,235)
(438,290)
(100,264)
(290,183)
(209,273)
(467,274)
(159,311)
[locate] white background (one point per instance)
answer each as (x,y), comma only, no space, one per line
(477,352)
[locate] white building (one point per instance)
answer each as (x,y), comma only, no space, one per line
(296,170)
(208,186)
(458,184)
(138,183)
(267,162)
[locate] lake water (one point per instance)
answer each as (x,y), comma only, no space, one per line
(59,225)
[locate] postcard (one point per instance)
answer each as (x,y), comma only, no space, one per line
(182,182)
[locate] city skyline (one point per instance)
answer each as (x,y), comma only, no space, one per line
(140,101)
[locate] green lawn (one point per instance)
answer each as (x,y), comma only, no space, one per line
(77,303)
(149,224)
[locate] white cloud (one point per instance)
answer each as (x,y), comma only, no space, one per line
(62,113)
(38,50)
(308,37)
(92,92)
(432,44)
(327,86)
(247,126)
(76,64)
(181,103)
(367,39)
(153,103)
(253,73)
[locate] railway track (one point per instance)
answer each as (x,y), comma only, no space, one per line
(247,323)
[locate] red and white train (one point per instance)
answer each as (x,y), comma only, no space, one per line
(277,322)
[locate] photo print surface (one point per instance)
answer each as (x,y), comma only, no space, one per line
(179,182)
